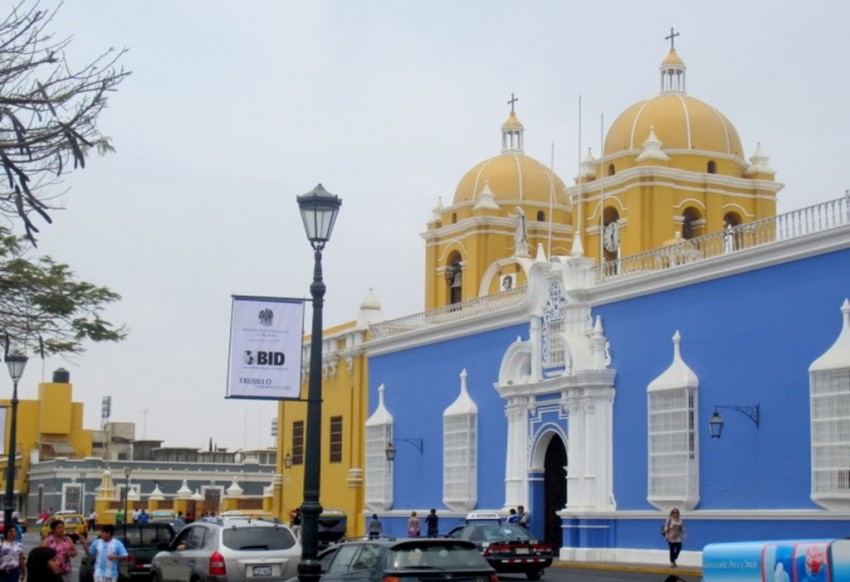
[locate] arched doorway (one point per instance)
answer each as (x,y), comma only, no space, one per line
(555,491)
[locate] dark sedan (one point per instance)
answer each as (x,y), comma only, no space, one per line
(405,560)
(507,547)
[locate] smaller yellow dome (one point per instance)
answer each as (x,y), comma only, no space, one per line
(673,59)
(512,122)
(511,176)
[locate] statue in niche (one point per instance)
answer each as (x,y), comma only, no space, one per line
(521,234)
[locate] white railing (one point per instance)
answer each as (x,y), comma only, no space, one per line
(786,226)
(450,313)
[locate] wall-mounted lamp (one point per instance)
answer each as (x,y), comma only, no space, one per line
(287,460)
(715,425)
(390,450)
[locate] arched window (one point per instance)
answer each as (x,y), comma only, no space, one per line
(610,234)
(732,219)
(712,167)
(541,216)
(454,279)
(689,218)
(611,170)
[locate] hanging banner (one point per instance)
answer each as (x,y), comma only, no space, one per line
(265,348)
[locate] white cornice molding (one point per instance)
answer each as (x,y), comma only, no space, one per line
(486,224)
(676,177)
(516,315)
(777,253)
(633,153)
(717,514)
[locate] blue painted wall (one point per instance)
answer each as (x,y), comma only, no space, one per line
(420,384)
(749,338)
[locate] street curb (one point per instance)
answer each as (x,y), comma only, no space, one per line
(628,568)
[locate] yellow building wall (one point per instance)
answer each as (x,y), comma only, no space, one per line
(56,415)
(344,393)
(53,417)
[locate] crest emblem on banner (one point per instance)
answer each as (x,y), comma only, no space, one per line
(266,317)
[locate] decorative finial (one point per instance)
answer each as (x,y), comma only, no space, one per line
(672,38)
(512,100)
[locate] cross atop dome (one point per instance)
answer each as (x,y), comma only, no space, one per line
(512,130)
(671,37)
(672,68)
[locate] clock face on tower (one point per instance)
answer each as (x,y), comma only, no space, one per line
(611,237)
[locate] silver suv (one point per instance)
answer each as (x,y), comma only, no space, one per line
(228,550)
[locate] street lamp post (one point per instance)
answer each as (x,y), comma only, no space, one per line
(16,365)
(127,472)
(318,211)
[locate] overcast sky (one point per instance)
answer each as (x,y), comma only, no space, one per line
(235,108)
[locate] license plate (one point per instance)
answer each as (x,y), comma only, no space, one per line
(260,571)
(522,550)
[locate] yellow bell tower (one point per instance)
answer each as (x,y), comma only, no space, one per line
(503,208)
(673,167)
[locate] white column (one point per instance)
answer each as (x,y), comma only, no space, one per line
(536,348)
(575,455)
(516,459)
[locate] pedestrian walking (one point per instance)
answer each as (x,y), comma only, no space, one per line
(43,565)
(674,532)
(431,524)
(524,516)
(92,520)
(413,526)
(374,530)
(295,518)
(62,545)
(107,553)
(12,563)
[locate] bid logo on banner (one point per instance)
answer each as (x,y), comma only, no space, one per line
(253,358)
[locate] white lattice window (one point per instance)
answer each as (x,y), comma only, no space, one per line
(379,476)
(460,462)
(555,353)
(460,452)
(830,419)
(673,464)
(378,489)
(672,446)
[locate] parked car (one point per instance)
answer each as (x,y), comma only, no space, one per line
(227,550)
(507,547)
(142,541)
(75,525)
(401,560)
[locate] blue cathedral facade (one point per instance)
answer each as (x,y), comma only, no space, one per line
(586,395)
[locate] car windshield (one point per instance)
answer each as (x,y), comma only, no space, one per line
(438,556)
(145,536)
(506,531)
(72,519)
(257,538)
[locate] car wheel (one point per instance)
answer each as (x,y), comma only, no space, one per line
(535,574)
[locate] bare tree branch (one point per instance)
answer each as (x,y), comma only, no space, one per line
(48,112)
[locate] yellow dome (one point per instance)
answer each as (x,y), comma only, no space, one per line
(511,176)
(680,122)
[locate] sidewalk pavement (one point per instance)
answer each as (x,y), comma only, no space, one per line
(629,567)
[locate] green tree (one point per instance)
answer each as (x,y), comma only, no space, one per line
(48,112)
(44,308)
